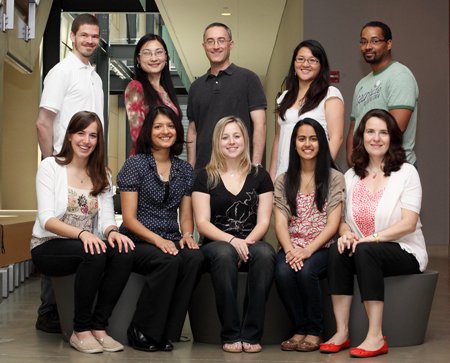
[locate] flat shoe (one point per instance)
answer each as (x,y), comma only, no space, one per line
(109,344)
(88,345)
(334,348)
(235,347)
(290,344)
(251,348)
(307,346)
(363,353)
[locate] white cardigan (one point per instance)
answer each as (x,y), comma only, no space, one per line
(52,197)
(403,191)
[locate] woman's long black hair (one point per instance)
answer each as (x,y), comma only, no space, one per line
(318,88)
(151,96)
(324,162)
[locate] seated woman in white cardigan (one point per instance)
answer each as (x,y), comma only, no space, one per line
(381,234)
(76,232)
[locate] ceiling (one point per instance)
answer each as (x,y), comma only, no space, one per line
(254,25)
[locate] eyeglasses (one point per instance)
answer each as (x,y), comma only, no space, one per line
(373,41)
(147,53)
(212,42)
(310,61)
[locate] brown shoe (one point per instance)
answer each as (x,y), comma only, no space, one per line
(290,344)
(308,346)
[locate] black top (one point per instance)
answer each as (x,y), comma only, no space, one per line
(234,91)
(158,201)
(235,214)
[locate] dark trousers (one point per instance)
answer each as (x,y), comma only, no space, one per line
(222,262)
(372,262)
(170,280)
(103,275)
(301,293)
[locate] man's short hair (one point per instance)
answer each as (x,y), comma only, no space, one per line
(387,34)
(222,25)
(83,19)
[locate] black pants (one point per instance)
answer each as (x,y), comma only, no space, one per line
(222,263)
(372,262)
(103,275)
(164,300)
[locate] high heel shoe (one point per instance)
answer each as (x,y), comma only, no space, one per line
(139,341)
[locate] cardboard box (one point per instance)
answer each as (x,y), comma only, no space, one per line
(15,236)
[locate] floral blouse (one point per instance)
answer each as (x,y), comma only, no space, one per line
(82,209)
(137,109)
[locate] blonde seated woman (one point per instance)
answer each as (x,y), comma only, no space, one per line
(232,202)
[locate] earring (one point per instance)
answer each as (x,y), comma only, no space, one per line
(139,65)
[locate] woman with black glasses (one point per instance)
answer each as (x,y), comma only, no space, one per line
(154,185)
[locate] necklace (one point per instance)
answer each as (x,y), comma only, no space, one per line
(305,187)
(374,171)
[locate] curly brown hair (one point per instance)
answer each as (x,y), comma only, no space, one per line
(395,155)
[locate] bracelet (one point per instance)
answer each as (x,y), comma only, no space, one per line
(377,237)
(79,234)
(187,234)
(111,230)
(232,238)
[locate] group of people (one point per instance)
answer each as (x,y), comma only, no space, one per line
(364,223)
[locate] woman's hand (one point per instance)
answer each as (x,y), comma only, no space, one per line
(189,241)
(167,246)
(347,241)
(241,247)
(92,244)
(296,256)
(122,241)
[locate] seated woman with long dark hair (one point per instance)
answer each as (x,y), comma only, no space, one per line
(308,206)
(75,231)
(381,234)
(154,185)
(232,205)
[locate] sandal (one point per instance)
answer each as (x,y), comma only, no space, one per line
(291,344)
(235,347)
(308,346)
(251,348)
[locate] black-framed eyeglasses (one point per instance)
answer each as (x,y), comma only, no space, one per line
(373,41)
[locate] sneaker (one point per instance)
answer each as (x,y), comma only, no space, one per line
(109,344)
(88,345)
(49,322)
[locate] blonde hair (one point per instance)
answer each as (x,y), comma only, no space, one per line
(217,162)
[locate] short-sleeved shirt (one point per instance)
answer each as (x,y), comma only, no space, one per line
(234,91)
(71,86)
(158,201)
(235,214)
(393,87)
(291,117)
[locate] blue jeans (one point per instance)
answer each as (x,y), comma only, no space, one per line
(222,262)
(301,293)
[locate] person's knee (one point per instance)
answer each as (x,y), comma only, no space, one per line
(263,251)
(220,253)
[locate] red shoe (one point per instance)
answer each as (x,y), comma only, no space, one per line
(362,353)
(334,348)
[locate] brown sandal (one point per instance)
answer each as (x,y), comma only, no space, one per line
(308,346)
(290,344)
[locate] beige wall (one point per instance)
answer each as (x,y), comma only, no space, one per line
(290,33)
(420,41)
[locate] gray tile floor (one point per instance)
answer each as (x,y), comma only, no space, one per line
(21,343)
